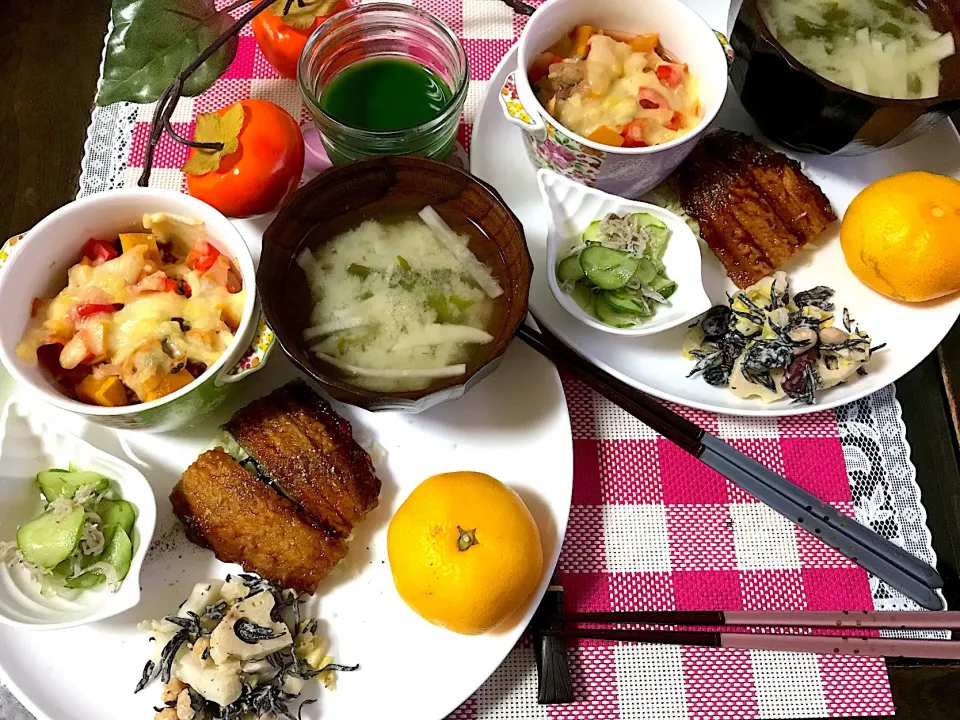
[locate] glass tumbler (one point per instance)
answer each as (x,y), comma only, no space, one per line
(380,30)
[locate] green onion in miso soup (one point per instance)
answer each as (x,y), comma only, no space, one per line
(884,48)
(400,303)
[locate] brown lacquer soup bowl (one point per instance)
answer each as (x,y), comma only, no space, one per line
(804,111)
(339,200)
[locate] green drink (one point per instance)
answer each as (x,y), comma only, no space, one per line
(385,93)
(384,79)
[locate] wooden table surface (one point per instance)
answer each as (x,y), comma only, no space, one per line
(49,63)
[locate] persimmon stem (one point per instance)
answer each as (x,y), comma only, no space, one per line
(520,7)
(171,96)
(217,146)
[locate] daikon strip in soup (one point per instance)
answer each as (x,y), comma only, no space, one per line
(400,303)
(883,48)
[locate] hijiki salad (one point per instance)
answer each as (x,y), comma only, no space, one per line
(765,344)
(236,649)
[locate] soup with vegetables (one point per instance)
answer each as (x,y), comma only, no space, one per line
(884,48)
(400,303)
(616,88)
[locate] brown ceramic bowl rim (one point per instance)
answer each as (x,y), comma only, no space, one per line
(363,396)
(925,103)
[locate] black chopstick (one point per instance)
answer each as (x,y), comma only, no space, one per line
(844,620)
(911,576)
(819,644)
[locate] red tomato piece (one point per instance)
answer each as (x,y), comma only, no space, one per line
(170,285)
(202,256)
(633,133)
(99,251)
(671,75)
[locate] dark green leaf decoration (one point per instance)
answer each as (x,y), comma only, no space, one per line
(153,41)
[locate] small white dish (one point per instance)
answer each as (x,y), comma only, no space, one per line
(572,206)
(29,444)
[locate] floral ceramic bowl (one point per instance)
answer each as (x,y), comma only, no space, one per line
(30,264)
(628,172)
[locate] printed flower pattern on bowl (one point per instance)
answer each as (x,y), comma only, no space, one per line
(510,99)
(560,153)
(257,353)
(7,248)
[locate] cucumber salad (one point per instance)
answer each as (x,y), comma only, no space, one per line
(616,273)
(82,539)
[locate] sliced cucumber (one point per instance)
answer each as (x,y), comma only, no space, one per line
(584,297)
(119,552)
(116,513)
(625,302)
(646,271)
(607,314)
(663,285)
(569,269)
(646,220)
(48,540)
(57,483)
(593,234)
(606,268)
(657,240)
(86,581)
(658,264)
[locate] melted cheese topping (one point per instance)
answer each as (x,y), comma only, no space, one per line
(155,331)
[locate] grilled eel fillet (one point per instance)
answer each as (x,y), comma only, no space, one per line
(755,207)
(227,509)
(303,446)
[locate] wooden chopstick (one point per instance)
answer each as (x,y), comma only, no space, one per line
(819,644)
(890,563)
(859,620)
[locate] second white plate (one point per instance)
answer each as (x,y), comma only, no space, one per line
(654,363)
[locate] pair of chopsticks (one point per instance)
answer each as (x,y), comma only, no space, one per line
(846,644)
(894,565)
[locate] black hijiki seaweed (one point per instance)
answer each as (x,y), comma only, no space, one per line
(723,343)
(268,699)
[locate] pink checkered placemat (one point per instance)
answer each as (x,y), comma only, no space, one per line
(650,527)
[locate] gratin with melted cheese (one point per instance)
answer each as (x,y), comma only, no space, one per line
(141,316)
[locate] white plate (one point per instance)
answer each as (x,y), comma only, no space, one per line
(654,363)
(513,425)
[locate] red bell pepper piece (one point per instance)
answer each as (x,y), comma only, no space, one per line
(99,251)
(202,256)
(676,122)
(90,309)
(670,75)
(633,133)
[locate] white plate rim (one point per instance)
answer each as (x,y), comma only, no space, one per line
(489,104)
